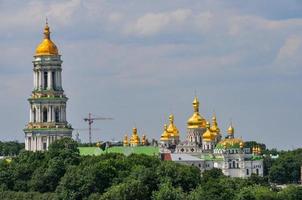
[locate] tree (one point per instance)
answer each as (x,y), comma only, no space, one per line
(65,148)
(212,174)
(286,169)
(184,176)
(168,192)
(213,189)
(80,182)
(46,178)
(291,193)
(130,190)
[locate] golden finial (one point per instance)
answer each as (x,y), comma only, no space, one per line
(46,30)
(171,119)
(214,120)
(196,104)
(231,129)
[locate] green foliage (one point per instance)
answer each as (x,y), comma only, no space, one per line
(214,189)
(286,169)
(168,192)
(130,190)
(212,174)
(291,193)
(10,148)
(184,176)
(61,173)
(9,195)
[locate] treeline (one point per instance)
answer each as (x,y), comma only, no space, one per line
(61,173)
(12,148)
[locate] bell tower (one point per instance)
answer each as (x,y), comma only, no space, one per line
(47,121)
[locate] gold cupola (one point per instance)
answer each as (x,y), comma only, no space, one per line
(196,121)
(46,47)
(231,131)
(125,142)
(144,140)
(172,129)
(165,135)
(208,136)
(231,141)
(134,141)
(214,128)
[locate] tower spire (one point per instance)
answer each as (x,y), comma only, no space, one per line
(46,30)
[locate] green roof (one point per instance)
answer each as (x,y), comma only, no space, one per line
(148,150)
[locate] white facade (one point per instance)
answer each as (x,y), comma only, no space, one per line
(47,113)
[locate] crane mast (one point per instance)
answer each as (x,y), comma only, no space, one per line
(90,121)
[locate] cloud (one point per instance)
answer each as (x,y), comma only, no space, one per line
(153,23)
(288,59)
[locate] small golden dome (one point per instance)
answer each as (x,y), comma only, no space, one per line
(165,134)
(231,130)
(208,136)
(172,129)
(196,121)
(144,140)
(231,143)
(126,140)
(214,128)
(134,138)
(46,47)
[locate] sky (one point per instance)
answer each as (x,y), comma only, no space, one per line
(140,61)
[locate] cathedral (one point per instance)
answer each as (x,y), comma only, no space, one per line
(205,147)
(47,121)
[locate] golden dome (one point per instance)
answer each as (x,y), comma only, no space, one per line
(172,129)
(214,128)
(134,138)
(231,143)
(144,140)
(231,130)
(196,121)
(125,140)
(165,134)
(208,136)
(46,47)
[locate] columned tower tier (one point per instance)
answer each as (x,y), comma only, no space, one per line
(47,115)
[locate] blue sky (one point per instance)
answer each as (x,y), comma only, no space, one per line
(138,61)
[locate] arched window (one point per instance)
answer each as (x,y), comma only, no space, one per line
(34,115)
(57,115)
(247,172)
(44,114)
(234,164)
(257,171)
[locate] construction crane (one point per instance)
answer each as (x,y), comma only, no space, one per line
(90,120)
